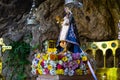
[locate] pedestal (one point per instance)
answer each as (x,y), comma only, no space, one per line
(62,77)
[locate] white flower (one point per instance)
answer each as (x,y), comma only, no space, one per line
(35,55)
(70,58)
(43,71)
(60,62)
(85,72)
(53,63)
(71,73)
(66,71)
(68,55)
(46,61)
(52,72)
(82,54)
(45,65)
(69,52)
(83,67)
(34,62)
(33,71)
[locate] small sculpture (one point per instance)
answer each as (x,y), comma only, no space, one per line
(68,40)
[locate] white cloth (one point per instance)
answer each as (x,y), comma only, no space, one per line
(64,30)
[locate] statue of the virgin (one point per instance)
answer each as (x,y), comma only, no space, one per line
(68,40)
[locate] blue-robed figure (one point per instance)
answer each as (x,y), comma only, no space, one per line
(68,35)
(68,40)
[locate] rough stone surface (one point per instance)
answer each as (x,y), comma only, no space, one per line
(96,20)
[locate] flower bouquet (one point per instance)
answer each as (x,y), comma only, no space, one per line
(57,64)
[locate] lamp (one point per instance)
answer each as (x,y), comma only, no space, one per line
(31,20)
(74,3)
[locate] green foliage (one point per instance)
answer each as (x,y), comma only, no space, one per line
(21,76)
(17,58)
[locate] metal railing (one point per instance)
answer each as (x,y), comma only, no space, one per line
(3,48)
(107,48)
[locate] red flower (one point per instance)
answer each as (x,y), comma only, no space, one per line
(59,66)
(60,57)
(36,71)
(42,63)
(53,57)
(46,71)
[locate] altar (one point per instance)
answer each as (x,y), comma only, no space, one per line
(66,60)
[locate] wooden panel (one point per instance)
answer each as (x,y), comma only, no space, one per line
(61,77)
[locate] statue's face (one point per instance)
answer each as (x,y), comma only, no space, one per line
(63,44)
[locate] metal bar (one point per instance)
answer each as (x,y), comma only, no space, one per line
(0,59)
(104,55)
(104,61)
(92,71)
(0,51)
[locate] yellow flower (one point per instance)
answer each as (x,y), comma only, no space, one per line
(40,61)
(49,67)
(84,58)
(59,71)
(40,71)
(64,59)
(39,64)
(45,57)
(38,55)
(78,61)
(78,72)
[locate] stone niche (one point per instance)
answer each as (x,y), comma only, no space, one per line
(62,77)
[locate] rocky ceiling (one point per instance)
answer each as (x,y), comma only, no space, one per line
(96,20)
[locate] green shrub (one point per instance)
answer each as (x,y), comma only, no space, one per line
(17,59)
